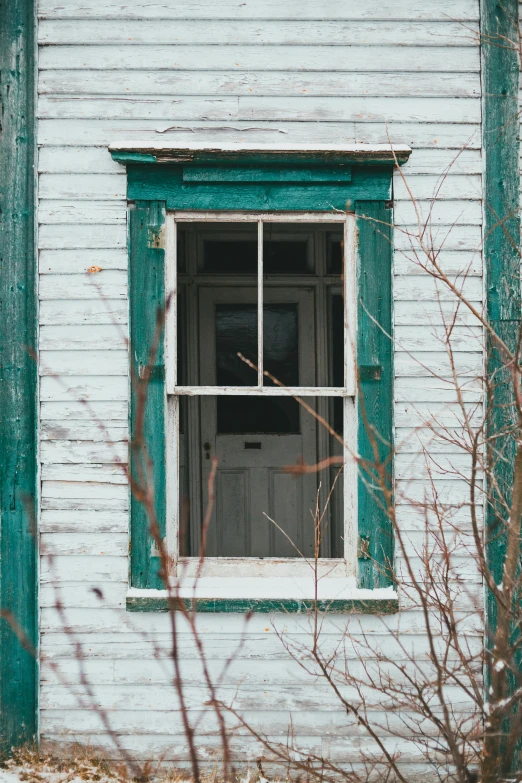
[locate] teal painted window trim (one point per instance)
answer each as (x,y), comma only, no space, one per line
(18,377)
(169,183)
(155,188)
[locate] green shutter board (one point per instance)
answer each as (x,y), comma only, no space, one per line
(18,375)
(375,403)
(147,296)
(266,174)
(165,183)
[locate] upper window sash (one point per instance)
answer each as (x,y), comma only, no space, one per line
(349,298)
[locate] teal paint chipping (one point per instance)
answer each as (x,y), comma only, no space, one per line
(501,242)
(18,377)
(501,143)
(261,605)
(168,183)
(375,385)
(147,302)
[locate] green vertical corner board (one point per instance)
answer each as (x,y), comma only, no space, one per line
(500,78)
(18,376)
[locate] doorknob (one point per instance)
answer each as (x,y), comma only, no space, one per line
(207,446)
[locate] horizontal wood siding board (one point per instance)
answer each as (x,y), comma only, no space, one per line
(149,82)
(263,58)
(259,108)
(262,605)
(290,32)
(443,134)
(380,10)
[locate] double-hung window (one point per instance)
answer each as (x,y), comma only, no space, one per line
(268,414)
(260,384)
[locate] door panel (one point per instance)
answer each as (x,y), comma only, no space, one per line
(253,438)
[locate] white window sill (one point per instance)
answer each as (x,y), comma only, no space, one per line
(337,595)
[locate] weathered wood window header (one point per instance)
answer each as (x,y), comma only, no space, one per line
(253,177)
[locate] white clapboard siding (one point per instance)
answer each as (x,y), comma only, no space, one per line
(86,311)
(290,32)
(109,544)
(277,83)
(453,237)
(84,521)
(435,313)
(97,362)
(107,284)
(451,262)
(409,10)
(442,390)
(434,338)
(104,620)
(86,338)
(82,186)
(84,388)
(251,673)
(92,429)
(186,108)
(261,646)
(83,568)
(77,262)
(331,724)
(297,109)
(97,132)
(259,58)
(82,212)
(106,473)
(62,237)
(83,452)
(59,501)
(301,71)
(110,412)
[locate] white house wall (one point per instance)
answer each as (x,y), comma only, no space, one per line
(257,71)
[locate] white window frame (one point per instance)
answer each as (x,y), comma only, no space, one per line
(251,566)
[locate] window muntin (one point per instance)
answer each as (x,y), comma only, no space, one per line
(249,409)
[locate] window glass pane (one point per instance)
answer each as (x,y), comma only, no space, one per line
(277,415)
(334,253)
(259,475)
(280,343)
(337,357)
(287,249)
(236,332)
(231,248)
(224,256)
